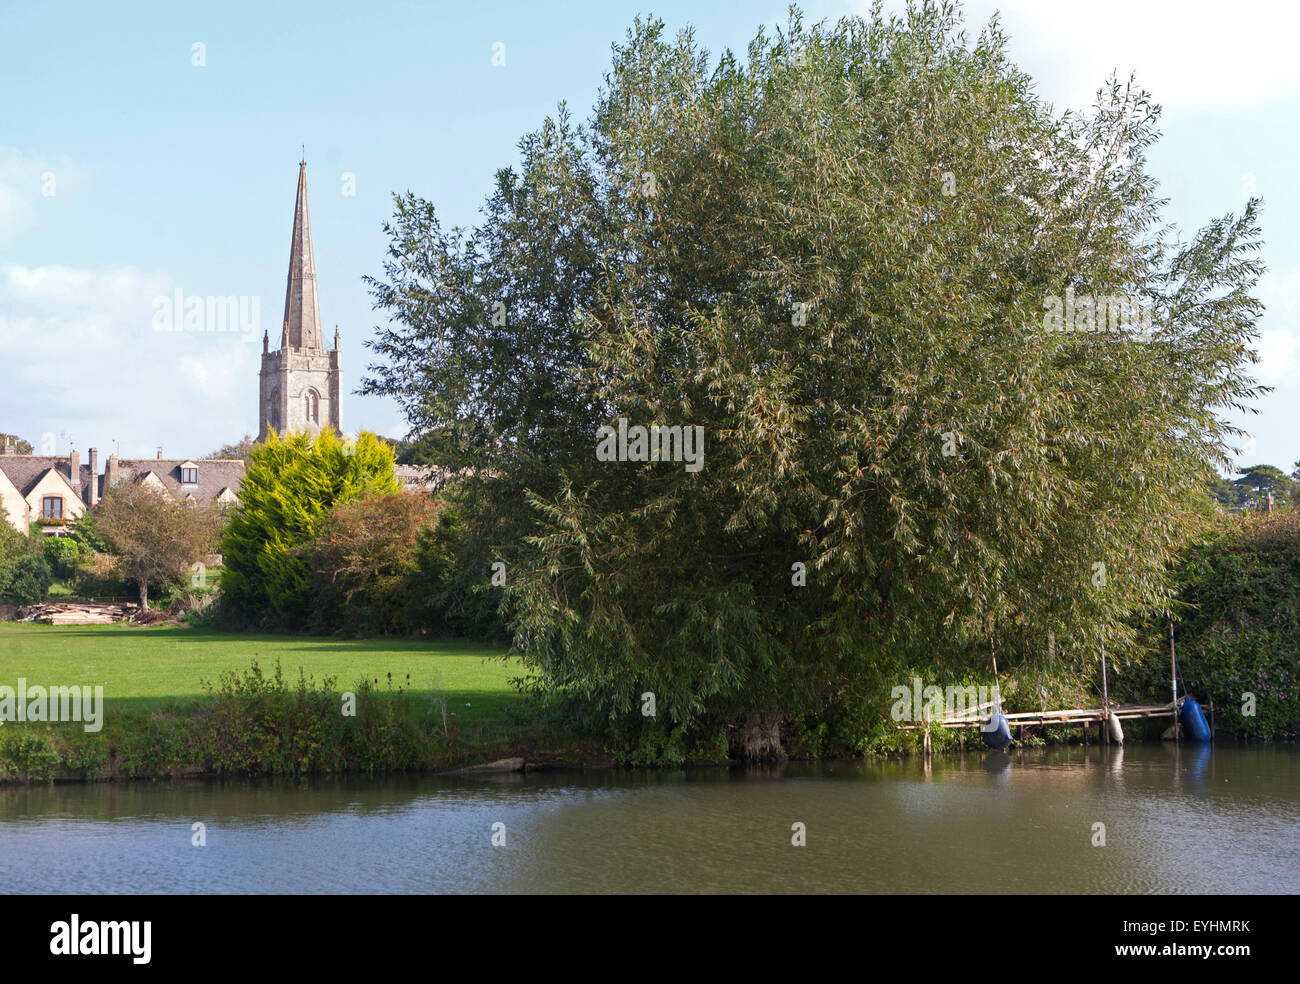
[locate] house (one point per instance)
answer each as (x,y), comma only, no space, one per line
(45,490)
(13,506)
(201,482)
(41,490)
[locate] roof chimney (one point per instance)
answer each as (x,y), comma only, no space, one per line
(74,468)
(92,496)
(9,445)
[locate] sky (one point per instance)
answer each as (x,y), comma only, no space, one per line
(147,148)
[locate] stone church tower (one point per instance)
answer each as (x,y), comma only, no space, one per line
(301,383)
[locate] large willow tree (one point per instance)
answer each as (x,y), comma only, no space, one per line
(857,257)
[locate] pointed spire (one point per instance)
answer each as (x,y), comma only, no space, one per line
(301,307)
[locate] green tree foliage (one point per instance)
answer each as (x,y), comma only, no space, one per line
(458,600)
(1259,481)
(154,537)
(429,449)
(84,532)
(833,253)
(62,554)
(20,446)
(1237,627)
(12,542)
(27,579)
(290,485)
(242,449)
(1226,493)
(364,561)
(25,576)
(388,565)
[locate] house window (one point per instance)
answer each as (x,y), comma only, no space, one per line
(189,476)
(52,507)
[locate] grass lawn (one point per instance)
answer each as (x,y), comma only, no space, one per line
(142,668)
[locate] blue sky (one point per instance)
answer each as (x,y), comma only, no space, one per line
(165,174)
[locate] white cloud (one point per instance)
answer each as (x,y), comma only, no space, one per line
(1279,354)
(27,180)
(1185,52)
(84,363)
(1279,341)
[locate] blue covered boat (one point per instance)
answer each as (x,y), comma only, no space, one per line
(1193,718)
(996,732)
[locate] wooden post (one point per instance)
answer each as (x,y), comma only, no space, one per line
(1173,676)
(1105,703)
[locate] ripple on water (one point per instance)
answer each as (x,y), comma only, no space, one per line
(1225,820)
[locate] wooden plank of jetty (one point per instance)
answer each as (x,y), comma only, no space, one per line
(1078,715)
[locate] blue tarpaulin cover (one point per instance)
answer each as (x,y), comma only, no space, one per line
(1194,725)
(996,732)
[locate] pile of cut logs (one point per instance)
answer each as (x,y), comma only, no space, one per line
(77,613)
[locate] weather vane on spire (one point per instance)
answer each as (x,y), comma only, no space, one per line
(304,154)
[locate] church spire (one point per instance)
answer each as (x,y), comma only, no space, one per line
(301,307)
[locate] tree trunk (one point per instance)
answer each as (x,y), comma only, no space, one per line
(143,584)
(757,737)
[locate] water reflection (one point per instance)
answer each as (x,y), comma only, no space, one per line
(1179,819)
(996,763)
(1196,759)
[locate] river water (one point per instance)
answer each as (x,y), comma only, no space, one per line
(1192,819)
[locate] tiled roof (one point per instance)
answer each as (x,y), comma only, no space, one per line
(214,475)
(25,470)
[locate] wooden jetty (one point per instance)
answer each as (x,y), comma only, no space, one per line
(1107,716)
(1078,715)
(976,717)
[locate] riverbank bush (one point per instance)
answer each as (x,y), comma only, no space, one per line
(1237,628)
(257,723)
